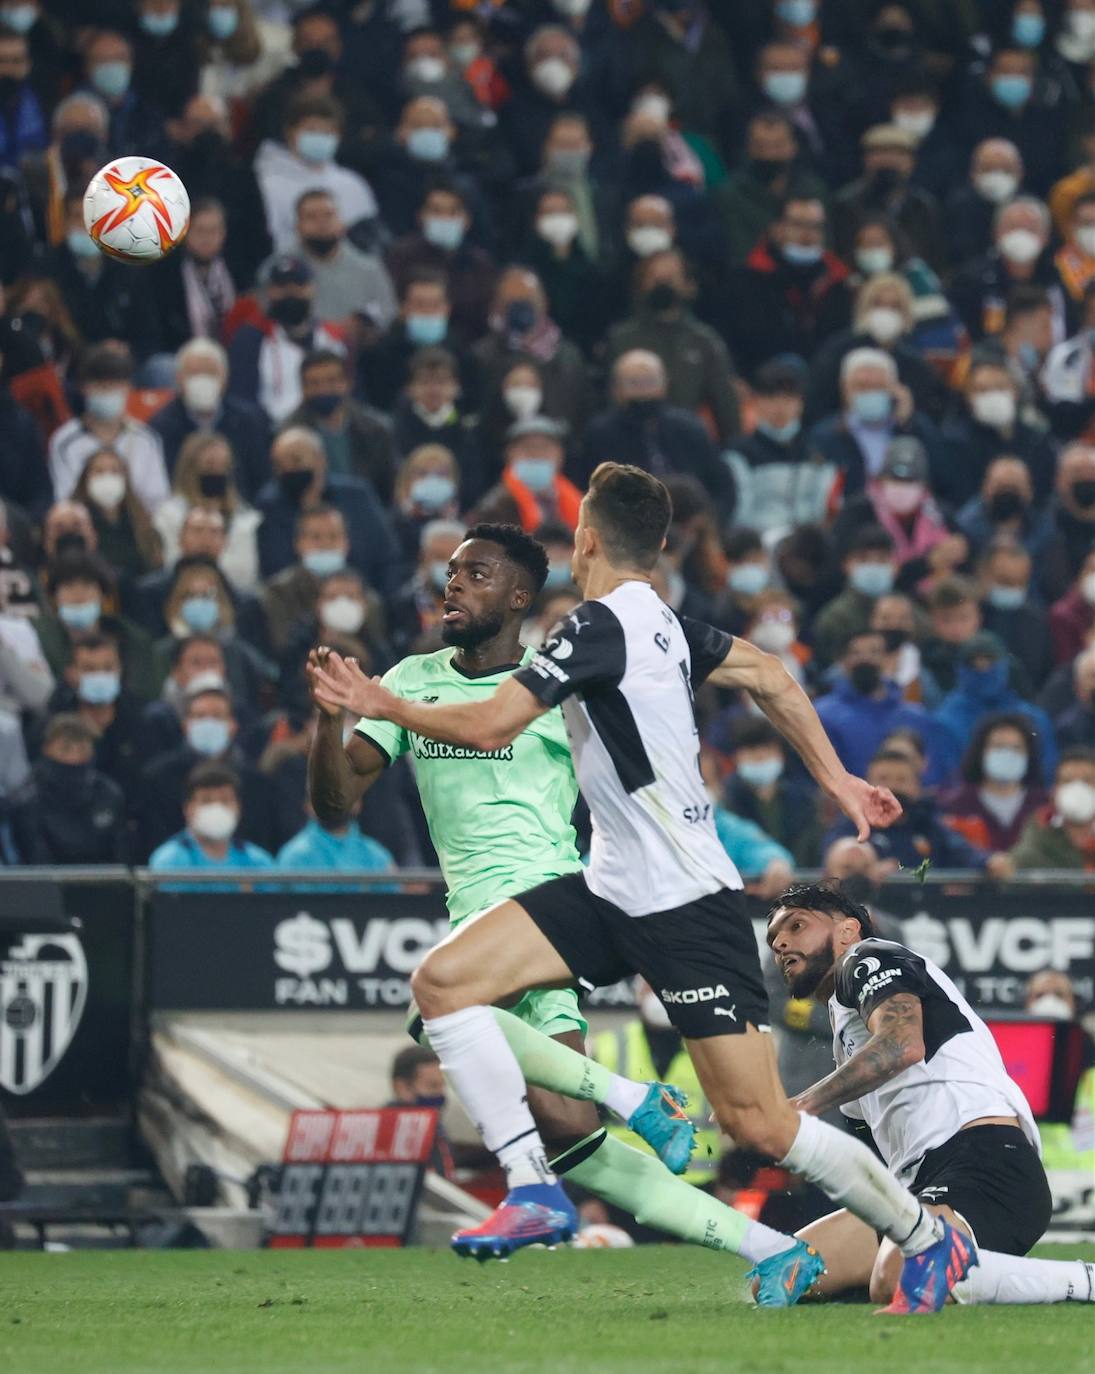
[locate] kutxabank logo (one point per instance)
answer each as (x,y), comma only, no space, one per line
(43,992)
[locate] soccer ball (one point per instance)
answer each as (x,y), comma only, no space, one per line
(136,209)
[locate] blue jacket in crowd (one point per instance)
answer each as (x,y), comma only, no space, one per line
(183,851)
(857,725)
(350,852)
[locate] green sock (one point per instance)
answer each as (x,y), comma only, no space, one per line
(641,1185)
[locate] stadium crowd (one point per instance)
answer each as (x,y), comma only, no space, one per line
(825,266)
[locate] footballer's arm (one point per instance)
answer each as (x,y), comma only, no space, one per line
(338,775)
(896,1043)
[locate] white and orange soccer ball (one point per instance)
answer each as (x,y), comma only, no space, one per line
(136,209)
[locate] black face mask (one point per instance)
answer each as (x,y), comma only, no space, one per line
(295,483)
(208,145)
(865,678)
(893,45)
(885,180)
(647,165)
(643,409)
(72,541)
(894,639)
(319,245)
(1083,493)
(314,62)
(662,297)
(67,780)
(520,316)
(326,403)
(213,484)
(34,323)
(290,311)
(1006,504)
(767,169)
(79,147)
(9,88)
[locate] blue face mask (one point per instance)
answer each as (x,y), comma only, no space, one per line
(223,21)
(537,474)
(1007,598)
(428,145)
(872,407)
(19,18)
(432,491)
(430,1100)
(324,562)
(99,689)
(200,613)
(986,683)
(160,25)
(81,615)
(426,329)
(760,772)
(1002,764)
(558,575)
(1029,357)
(439,574)
(802,254)
(748,579)
(1028,30)
(1012,92)
(443,231)
(208,735)
(80,244)
(780,434)
(316,146)
(111,79)
(797,13)
(785,88)
(872,579)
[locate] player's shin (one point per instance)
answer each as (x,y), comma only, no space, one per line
(1014,1279)
(639,1184)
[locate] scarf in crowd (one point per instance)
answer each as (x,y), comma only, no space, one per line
(210,295)
(531,514)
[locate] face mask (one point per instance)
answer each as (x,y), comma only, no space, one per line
(894,638)
(160,25)
(1083,493)
(316,146)
(773,636)
(294,484)
(436,1100)
(111,79)
(320,245)
(865,678)
(81,244)
(761,772)
(993,408)
(871,261)
(106,405)
(201,393)
(568,162)
(662,297)
(19,18)
(802,254)
(99,689)
(653,1013)
(643,409)
(208,735)
(223,21)
(324,562)
(523,401)
(797,13)
(784,88)
(200,613)
(1075,802)
(872,407)
(1007,598)
(72,541)
(996,187)
(780,434)
(343,614)
(438,574)
(107,489)
(1005,504)
(81,615)
(432,491)
(326,403)
(426,329)
(985,684)
(1020,246)
(748,579)
(919,123)
(1028,30)
(1051,1007)
(1004,765)
(558,575)
(558,229)
(213,485)
(573,9)
(654,105)
(464,54)
(647,239)
(1085,238)
(1087,588)
(884,324)
(428,145)
(520,317)
(903,497)
(214,821)
(66,781)
(290,311)
(426,69)
(1012,92)
(538,474)
(553,76)
(872,579)
(443,231)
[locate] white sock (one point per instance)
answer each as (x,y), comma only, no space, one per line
(486,1078)
(624,1096)
(844,1168)
(1014,1279)
(760,1242)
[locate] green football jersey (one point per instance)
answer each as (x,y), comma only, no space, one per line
(500,821)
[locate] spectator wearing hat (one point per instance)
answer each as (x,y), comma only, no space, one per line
(1020,256)
(1011,612)
(533,488)
(265,355)
(643,428)
(67,812)
(889,157)
(212,839)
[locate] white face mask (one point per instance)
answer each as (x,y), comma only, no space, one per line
(1081,24)
(343,614)
(871,261)
(428,69)
(993,408)
(1075,802)
(648,239)
(773,636)
(107,489)
(558,229)
(1087,588)
(884,323)
(996,187)
(654,106)
(1052,1006)
(919,123)
(523,401)
(1085,238)
(553,76)
(1020,245)
(202,393)
(214,821)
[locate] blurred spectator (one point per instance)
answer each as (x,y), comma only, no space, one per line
(572,282)
(212,840)
(125,536)
(417,1081)
(417,609)
(67,528)
(760,792)
(195,291)
(356,439)
(198,601)
(533,488)
(765,865)
(889,156)
(870,570)
(202,406)
(342,608)
(348,281)
(1009,610)
(165,53)
(1072,512)
(423,322)
(432,413)
(748,574)
(1076,723)
(1062,834)
(24,476)
(92,688)
(1001,784)
(1067,376)
(1072,618)
(1020,256)
(548,84)
(321,545)
(1004,508)
(67,812)
(996,174)
(1002,105)
(338,849)
(106,376)
(197,661)
(895,617)
(108,67)
(22,121)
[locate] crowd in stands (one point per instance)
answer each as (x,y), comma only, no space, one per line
(827,267)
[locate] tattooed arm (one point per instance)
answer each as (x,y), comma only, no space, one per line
(897,1041)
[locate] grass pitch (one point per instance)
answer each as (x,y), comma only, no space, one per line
(654,1310)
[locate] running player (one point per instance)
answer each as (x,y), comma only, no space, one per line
(500,821)
(660,896)
(918,1065)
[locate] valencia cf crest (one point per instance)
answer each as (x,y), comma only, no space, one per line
(43,992)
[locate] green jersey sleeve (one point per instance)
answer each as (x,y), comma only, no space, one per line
(391,740)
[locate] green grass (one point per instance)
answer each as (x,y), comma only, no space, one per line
(655,1310)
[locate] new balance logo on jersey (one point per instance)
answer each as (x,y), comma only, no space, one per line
(428,700)
(688,996)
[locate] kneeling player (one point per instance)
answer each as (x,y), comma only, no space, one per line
(921,1069)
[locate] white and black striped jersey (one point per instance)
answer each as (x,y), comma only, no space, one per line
(961,1077)
(624,668)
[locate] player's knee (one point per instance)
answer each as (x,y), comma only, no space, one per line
(435,985)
